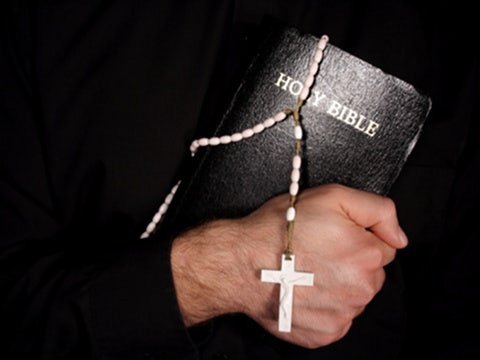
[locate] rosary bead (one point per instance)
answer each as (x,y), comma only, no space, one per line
(294,188)
(295,175)
(226,139)
(309,81)
(214,141)
(163,209)
(304,93)
(269,122)
(318,55)
(313,69)
(169,199)
(203,142)
(298,132)
(237,137)
(290,213)
(175,188)
(297,162)
(151,227)
(280,116)
(323,42)
(258,128)
(247,133)
(156,218)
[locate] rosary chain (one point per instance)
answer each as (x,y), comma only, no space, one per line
(256,129)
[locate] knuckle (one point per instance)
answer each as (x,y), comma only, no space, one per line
(364,291)
(389,256)
(364,298)
(328,330)
(337,323)
(357,311)
(332,190)
(376,257)
(314,342)
(337,334)
(352,312)
(320,340)
(390,209)
(335,189)
(381,276)
(326,339)
(369,293)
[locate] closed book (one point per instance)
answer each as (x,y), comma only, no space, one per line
(359,126)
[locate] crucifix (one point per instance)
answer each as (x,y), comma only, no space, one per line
(287,277)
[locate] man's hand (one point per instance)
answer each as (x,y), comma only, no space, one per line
(344,236)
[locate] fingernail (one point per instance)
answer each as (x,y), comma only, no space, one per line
(402,237)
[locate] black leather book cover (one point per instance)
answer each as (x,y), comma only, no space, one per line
(359,125)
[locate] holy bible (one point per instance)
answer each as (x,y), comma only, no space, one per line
(359,126)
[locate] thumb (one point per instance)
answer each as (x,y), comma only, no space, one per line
(376,213)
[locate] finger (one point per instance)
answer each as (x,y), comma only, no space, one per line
(375,253)
(389,256)
(376,213)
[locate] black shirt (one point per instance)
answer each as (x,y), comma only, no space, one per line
(99,101)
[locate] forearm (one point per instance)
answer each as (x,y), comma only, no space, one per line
(66,303)
(210,264)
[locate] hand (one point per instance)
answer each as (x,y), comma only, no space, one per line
(344,236)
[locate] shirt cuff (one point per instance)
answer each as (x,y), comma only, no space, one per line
(134,308)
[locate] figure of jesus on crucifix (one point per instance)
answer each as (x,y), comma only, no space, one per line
(287,277)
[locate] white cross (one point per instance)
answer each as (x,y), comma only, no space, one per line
(287,277)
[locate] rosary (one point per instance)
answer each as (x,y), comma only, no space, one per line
(287,277)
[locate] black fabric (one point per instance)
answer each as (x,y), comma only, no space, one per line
(99,101)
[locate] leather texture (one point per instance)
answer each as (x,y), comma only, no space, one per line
(234,179)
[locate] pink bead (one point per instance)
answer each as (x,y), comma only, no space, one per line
(247,133)
(323,42)
(297,162)
(295,175)
(226,139)
(214,141)
(269,122)
(258,128)
(174,189)
(304,94)
(298,132)
(313,69)
(290,214)
(163,209)
(151,227)
(169,199)
(318,56)
(203,142)
(237,137)
(156,218)
(309,81)
(280,116)
(294,188)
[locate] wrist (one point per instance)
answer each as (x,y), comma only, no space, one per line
(211,271)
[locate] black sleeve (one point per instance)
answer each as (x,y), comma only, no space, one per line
(75,280)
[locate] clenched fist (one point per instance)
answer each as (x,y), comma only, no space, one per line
(342,235)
